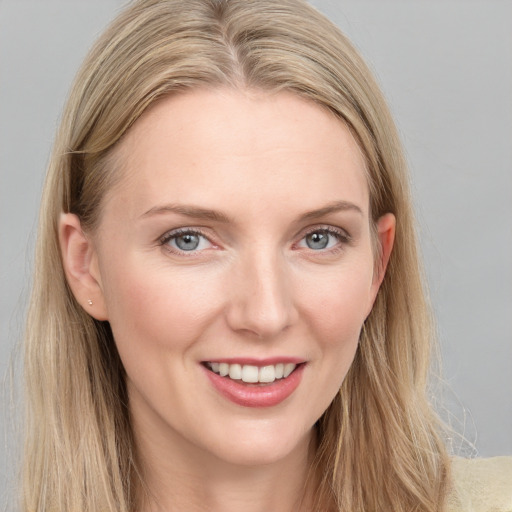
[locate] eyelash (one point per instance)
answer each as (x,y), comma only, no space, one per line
(165,239)
(342,237)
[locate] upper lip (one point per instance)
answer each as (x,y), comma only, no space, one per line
(256,361)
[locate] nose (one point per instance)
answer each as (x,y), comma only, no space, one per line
(261,296)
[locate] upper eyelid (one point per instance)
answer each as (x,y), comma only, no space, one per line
(330,229)
(182,231)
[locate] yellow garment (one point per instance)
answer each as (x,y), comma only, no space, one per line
(481,485)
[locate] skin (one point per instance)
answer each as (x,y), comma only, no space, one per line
(253,288)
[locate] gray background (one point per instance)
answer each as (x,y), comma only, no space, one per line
(446,68)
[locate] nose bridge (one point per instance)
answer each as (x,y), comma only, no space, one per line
(262,296)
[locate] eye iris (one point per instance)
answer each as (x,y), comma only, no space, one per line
(187,242)
(317,240)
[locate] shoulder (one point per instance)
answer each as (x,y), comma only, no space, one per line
(481,485)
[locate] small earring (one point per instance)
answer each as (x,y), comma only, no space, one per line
(89,301)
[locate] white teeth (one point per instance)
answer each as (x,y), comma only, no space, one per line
(223,369)
(288,368)
(249,373)
(235,371)
(253,374)
(267,374)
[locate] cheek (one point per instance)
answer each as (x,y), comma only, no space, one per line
(338,304)
(157,308)
(336,312)
(333,308)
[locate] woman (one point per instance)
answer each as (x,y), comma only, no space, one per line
(237,316)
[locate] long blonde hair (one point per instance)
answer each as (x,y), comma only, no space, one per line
(378,442)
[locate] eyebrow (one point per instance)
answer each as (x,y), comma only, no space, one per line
(188,211)
(334,207)
(214,215)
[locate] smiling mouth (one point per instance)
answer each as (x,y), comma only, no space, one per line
(251,374)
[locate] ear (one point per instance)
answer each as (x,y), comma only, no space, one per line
(386,226)
(81,266)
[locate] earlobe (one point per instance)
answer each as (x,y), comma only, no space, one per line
(81,266)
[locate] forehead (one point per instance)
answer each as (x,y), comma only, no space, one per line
(237,148)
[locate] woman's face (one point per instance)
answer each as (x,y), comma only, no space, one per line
(237,240)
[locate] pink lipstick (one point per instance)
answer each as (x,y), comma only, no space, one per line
(255,383)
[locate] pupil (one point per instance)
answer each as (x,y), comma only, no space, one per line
(187,242)
(317,240)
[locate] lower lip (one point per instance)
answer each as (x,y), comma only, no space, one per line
(250,395)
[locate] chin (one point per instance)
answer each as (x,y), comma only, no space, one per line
(262,447)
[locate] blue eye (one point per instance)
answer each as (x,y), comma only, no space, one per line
(186,241)
(317,240)
(321,239)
